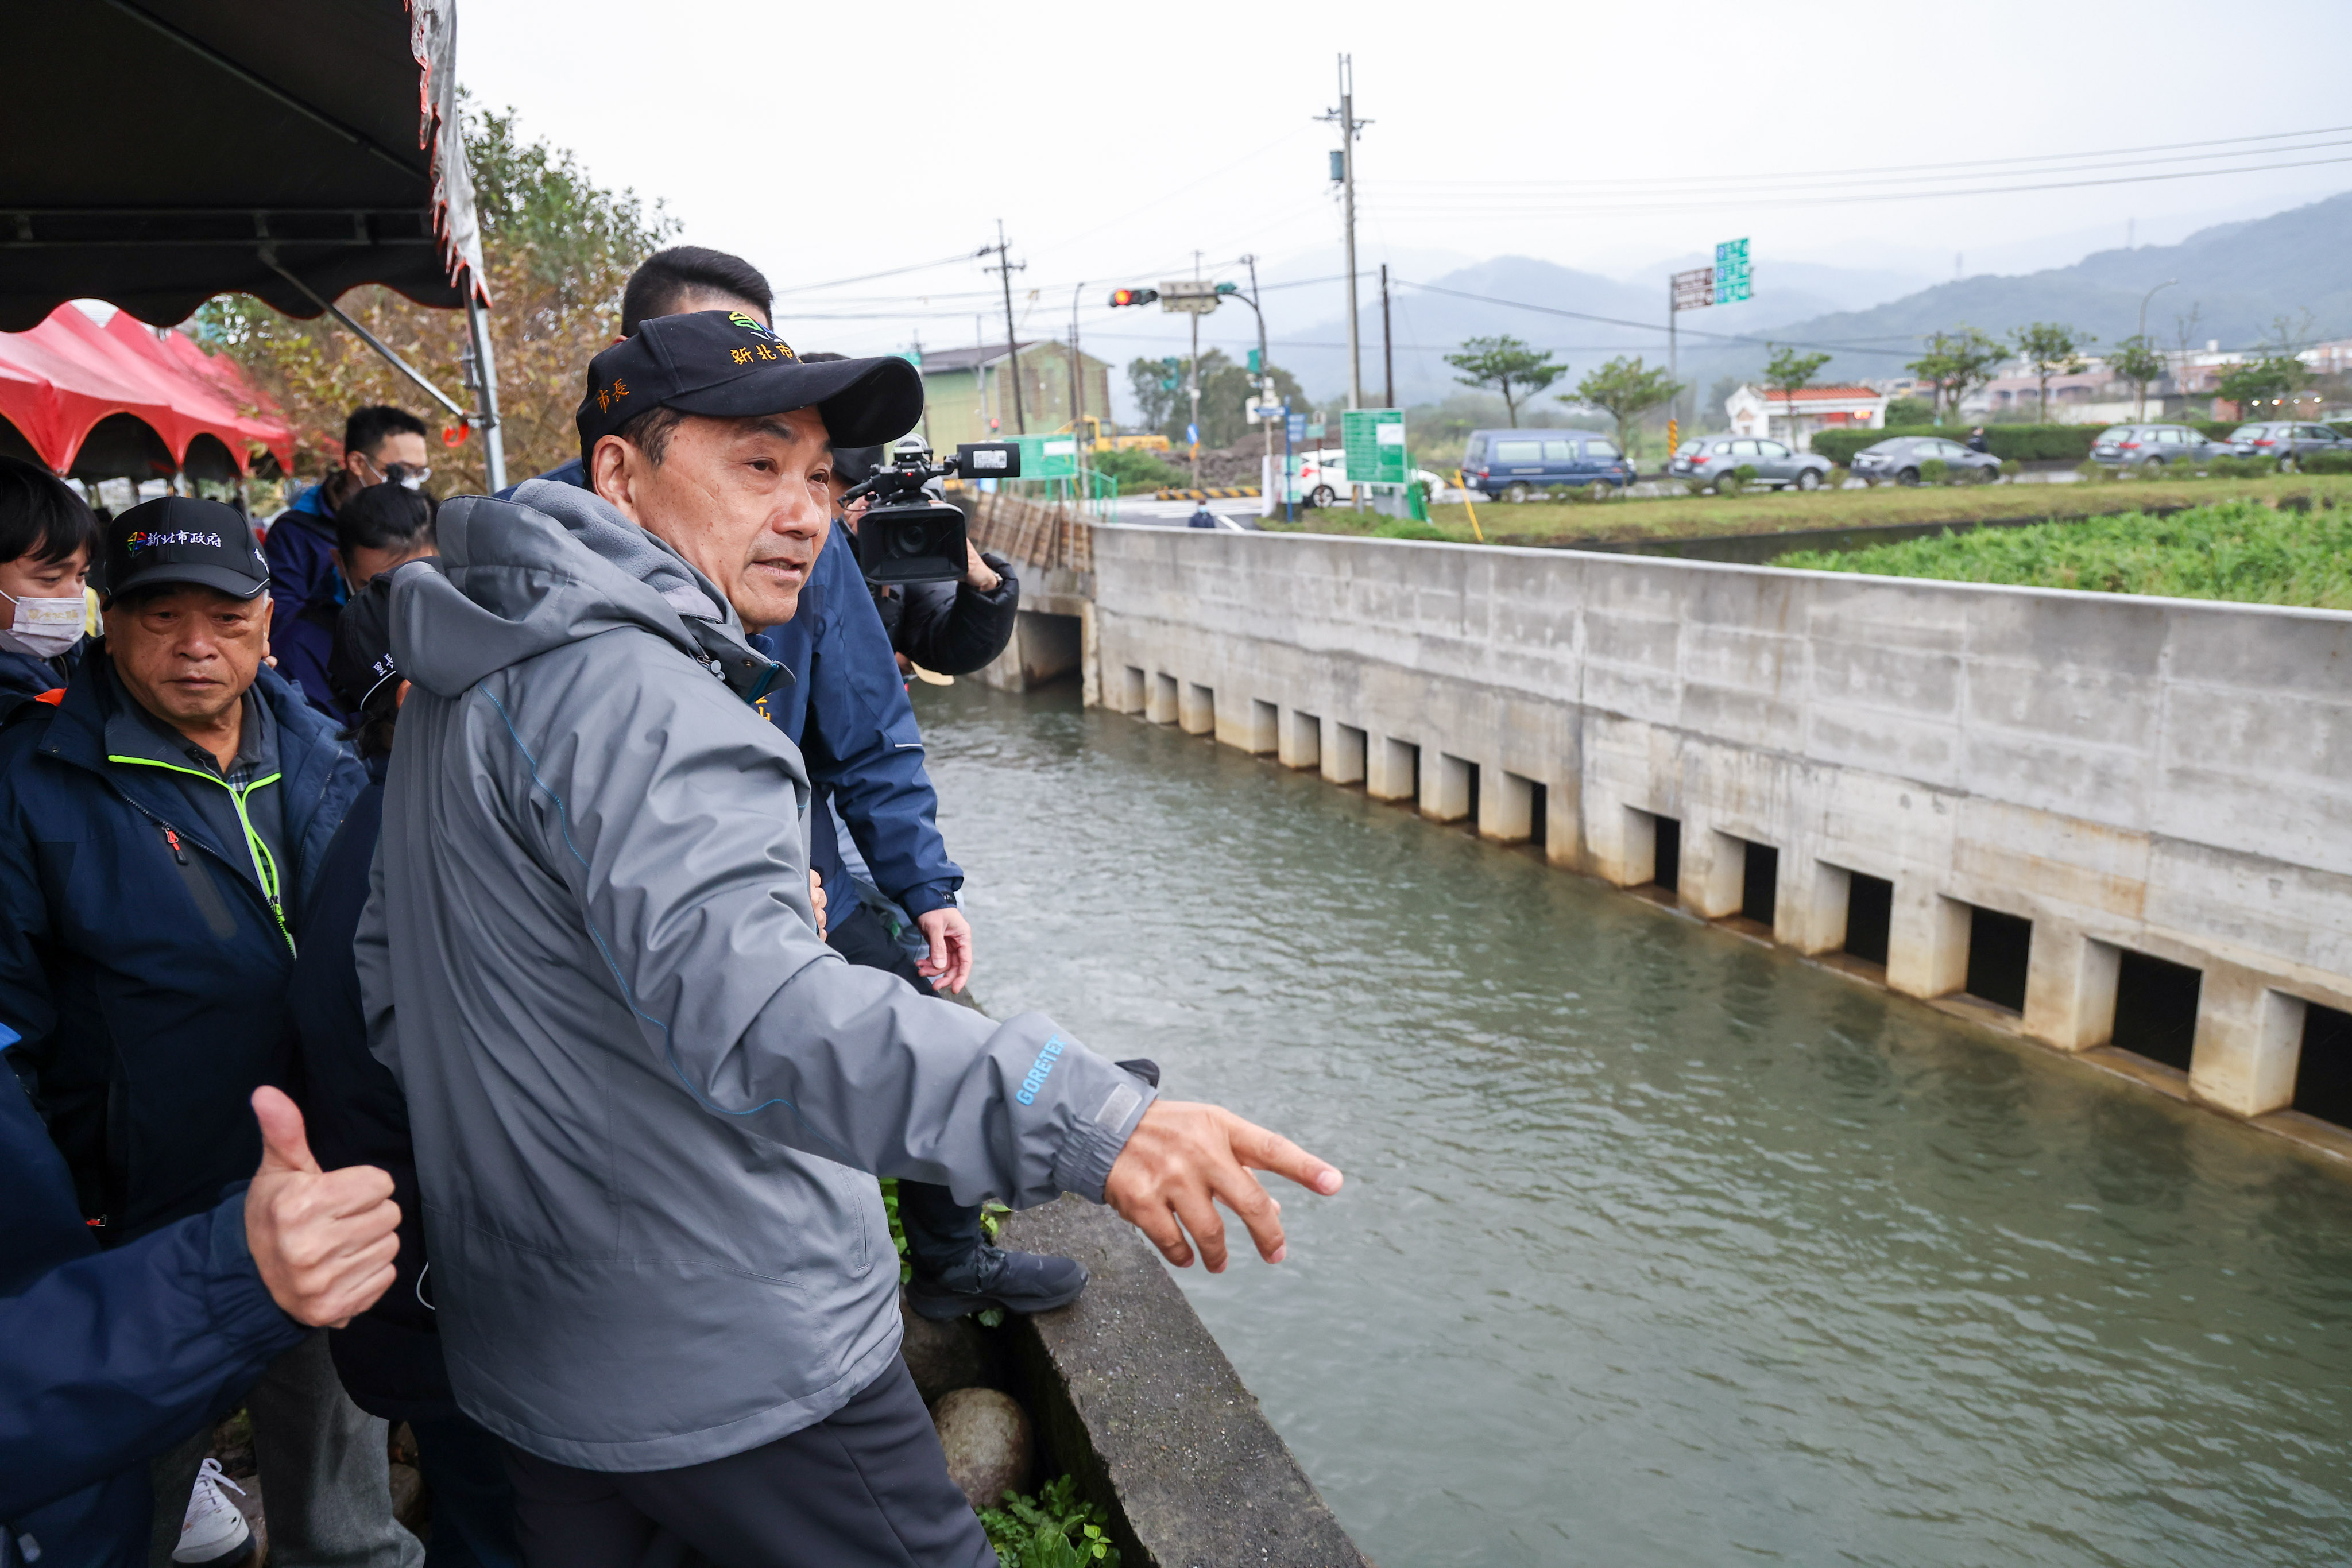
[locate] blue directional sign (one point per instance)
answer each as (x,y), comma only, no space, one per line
(1298,427)
(1732,280)
(1192,435)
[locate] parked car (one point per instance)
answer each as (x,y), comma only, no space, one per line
(1518,464)
(2154,446)
(1898,458)
(2293,441)
(1710,457)
(1322,479)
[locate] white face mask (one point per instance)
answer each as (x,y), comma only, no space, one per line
(45,627)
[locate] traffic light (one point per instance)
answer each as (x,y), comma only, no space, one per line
(1119,297)
(1229,288)
(1169,378)
(1254,367)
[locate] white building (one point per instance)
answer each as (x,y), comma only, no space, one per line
(1794,416)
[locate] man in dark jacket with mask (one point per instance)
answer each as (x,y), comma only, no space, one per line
(48,536)
(161,828)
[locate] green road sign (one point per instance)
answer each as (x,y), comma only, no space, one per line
(1374,441)
(1048,456)
(1731,276)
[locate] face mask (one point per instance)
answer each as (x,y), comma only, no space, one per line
(45,627)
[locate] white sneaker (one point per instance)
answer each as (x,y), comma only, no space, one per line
(214,1531)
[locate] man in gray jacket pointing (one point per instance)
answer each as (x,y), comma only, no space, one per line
(642,1090)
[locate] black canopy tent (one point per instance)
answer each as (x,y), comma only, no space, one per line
(161,151)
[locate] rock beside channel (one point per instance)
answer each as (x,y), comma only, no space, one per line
(988,1443)
(942,1356)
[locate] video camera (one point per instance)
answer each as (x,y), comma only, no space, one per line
(908,537)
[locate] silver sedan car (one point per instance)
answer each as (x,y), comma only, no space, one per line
(1898,458)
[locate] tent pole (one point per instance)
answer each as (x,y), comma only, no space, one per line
(370,339)
(494,446)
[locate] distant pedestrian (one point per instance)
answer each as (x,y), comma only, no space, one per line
(1201,517)
(1976,441)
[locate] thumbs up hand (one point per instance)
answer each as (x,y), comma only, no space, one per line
(323,1240)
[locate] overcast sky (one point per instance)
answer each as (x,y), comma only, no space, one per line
(829,142)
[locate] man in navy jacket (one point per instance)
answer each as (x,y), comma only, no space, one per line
(161,829)
(380,442)
(108,1357)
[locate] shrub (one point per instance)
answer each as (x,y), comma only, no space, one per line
(2090,472)
(2023,442)
(2328,463)
(1935,471)
(1054,1529)
(2010,467)
(1407,528)
(1594,492)
(1139,471)
(1836,478)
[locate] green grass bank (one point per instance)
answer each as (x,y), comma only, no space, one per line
(2239,550)
(1564,524)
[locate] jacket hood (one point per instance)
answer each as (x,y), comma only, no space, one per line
(555,565)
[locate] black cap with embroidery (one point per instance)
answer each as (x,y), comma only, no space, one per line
(723,362)
(181,540)
(362,668)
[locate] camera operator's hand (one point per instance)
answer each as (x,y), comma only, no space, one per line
(949,964)
(816,899)
(324,1241)
(1185,1159)
(978,573)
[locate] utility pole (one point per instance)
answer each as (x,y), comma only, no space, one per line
(1005,268)
(1388,357)
(1077,381)
(1265,376)
(1193,379)
(1344,118)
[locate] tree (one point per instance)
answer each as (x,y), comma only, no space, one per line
(1624,389)
(1789,373)
(2137,360)
(2263,380)
(1506,362)
(556,251)
(1158,391)
(1957,363)
(2050,349)
(1226,391)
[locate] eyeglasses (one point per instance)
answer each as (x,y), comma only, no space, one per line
(410,476)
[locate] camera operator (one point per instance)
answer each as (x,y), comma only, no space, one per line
(947,628)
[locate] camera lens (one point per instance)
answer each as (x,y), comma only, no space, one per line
(915,538)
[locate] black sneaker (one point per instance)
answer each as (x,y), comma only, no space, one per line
(1016,1282)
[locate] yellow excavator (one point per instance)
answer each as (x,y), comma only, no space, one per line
(1098,441)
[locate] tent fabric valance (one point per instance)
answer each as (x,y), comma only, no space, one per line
(62,378)
(166,150)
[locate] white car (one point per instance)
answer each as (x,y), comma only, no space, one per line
(1323,477)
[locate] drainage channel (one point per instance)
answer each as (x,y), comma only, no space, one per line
(1662,1245)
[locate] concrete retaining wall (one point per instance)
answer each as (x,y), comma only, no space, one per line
(2131,775)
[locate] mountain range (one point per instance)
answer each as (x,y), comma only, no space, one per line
(2235,280)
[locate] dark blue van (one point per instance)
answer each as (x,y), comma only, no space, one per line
(1520,464)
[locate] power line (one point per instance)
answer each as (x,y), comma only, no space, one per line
(1623,209)
(1652,182)
(894,272)
(1649,326)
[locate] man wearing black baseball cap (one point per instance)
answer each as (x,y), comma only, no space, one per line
(160,830)
(639,1082)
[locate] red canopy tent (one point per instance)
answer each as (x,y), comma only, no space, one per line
(60,380)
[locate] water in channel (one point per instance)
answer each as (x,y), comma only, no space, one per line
(1660,1248)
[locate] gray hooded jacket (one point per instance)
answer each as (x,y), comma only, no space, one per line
(644,1093)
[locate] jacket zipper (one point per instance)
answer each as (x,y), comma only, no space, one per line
(265,864)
